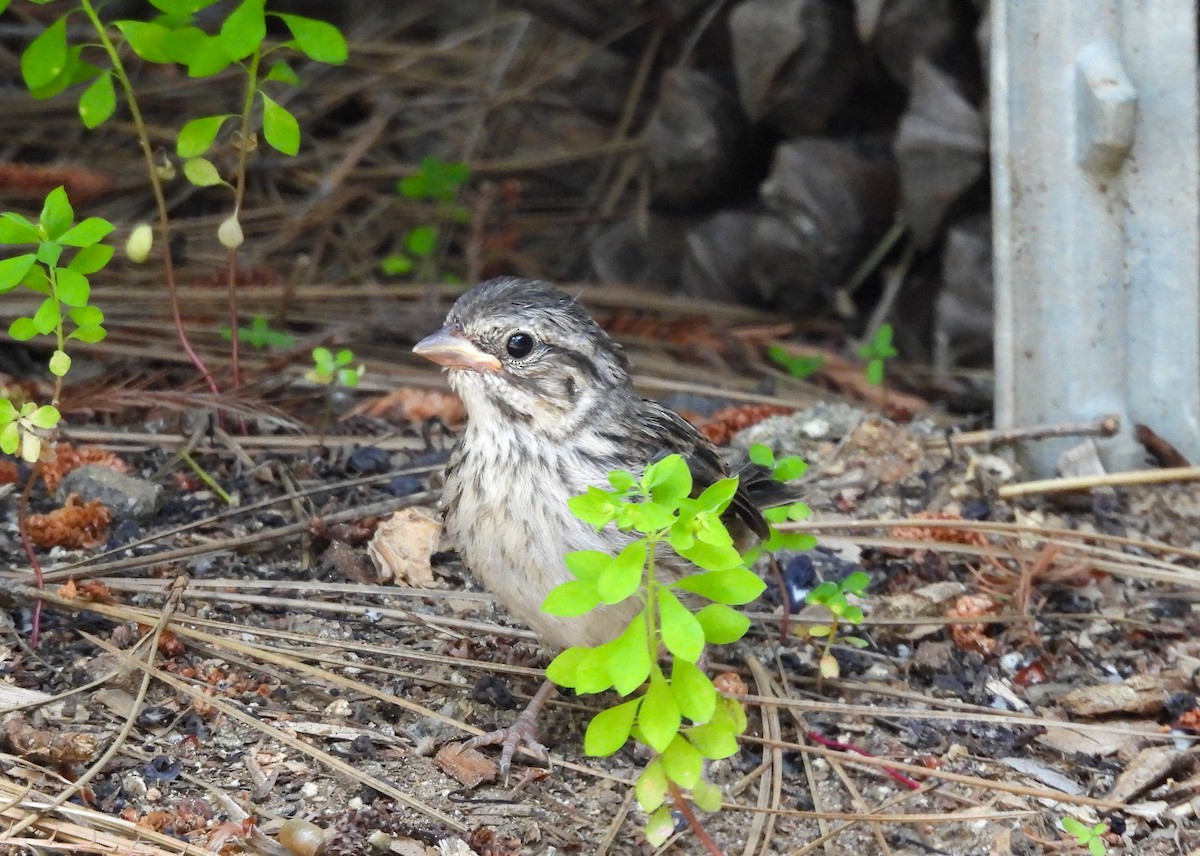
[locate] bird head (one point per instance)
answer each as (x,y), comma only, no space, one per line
(526,352)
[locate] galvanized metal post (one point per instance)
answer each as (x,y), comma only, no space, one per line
(1096,211)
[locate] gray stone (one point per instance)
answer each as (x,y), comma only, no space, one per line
(128,498)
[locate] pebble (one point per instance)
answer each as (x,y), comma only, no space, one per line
(128,497)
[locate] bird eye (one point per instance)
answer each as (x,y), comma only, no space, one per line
(519,345)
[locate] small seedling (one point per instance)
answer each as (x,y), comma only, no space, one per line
(1091,837)
(833,596)
(678,713)
(877,352)
(64,312)
(799,367)
(260,335)
(438,182)
(332,369)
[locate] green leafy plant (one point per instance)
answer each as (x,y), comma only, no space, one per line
(330,369)
(439,182)
(1091,837)
(834,597)
(877,352)
(678,713)
(50,65)
(799,367)
(62,255)
(258,334)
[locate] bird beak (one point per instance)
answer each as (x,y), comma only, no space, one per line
(450,348)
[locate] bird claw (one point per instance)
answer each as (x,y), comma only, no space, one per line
(522,734)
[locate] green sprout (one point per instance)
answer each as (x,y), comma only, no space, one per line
(877,352)
(799,367)
(678,713)
(438,182)
(1091,837)
(260,335)
(64,313)
(833,596)
(331,369)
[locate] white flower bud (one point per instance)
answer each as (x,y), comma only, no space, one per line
(230,232)
(139,243)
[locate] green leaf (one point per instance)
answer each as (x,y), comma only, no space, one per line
(72,287)
(711,557)
(693,691)
(422,241)
(707,796)
(396,265)
(623,575)
(562,669)
(1073,826)
(875,372)
(86,316)
(733,586)
(201,172)
(317,40)
(98,102)
(181,8)
(609,730)
(718,495)
(22,329)
(197,135)
(13,270)
(280,127)
(8,412)
(822,593)
(571,599)
(1096,847)
(45,417)
(46,57)
(91,259)
(587,564)
(790,467)
(15,229)
(660,826)
(658,719)
(668,480)
(47,317)
(281,72)
(244,30)
(90,334)
(722,624)
(49,252)
(592,675)
(204,54)
(681,632)
(682,762)
(628,657)
(90,231)
(762,455)
(856,583)
(10,438)
(714,740)
(60,363)
(595,507)
(651,787)
(621,480)
(147,40)
(645,517)
(57,213)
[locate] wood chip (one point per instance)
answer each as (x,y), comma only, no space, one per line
(402,545)
(469,767)
(1140,694)
(1146,770)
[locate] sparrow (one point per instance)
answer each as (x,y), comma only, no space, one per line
(551,410)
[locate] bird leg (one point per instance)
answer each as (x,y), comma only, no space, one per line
(522,734)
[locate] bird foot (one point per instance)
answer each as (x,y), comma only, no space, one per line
(522,734)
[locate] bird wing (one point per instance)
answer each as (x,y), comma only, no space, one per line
(664,432)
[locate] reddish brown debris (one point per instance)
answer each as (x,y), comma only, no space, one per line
(973,637)
(53,747)
(722,425)
(92,591)
(941,534)
(67,459)
(26,181)
(75,525)
(411,406)
(9,472)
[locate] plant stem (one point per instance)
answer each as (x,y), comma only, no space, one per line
(27,545)
(685,808)
(160,199)
(239,192)
(58,330)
